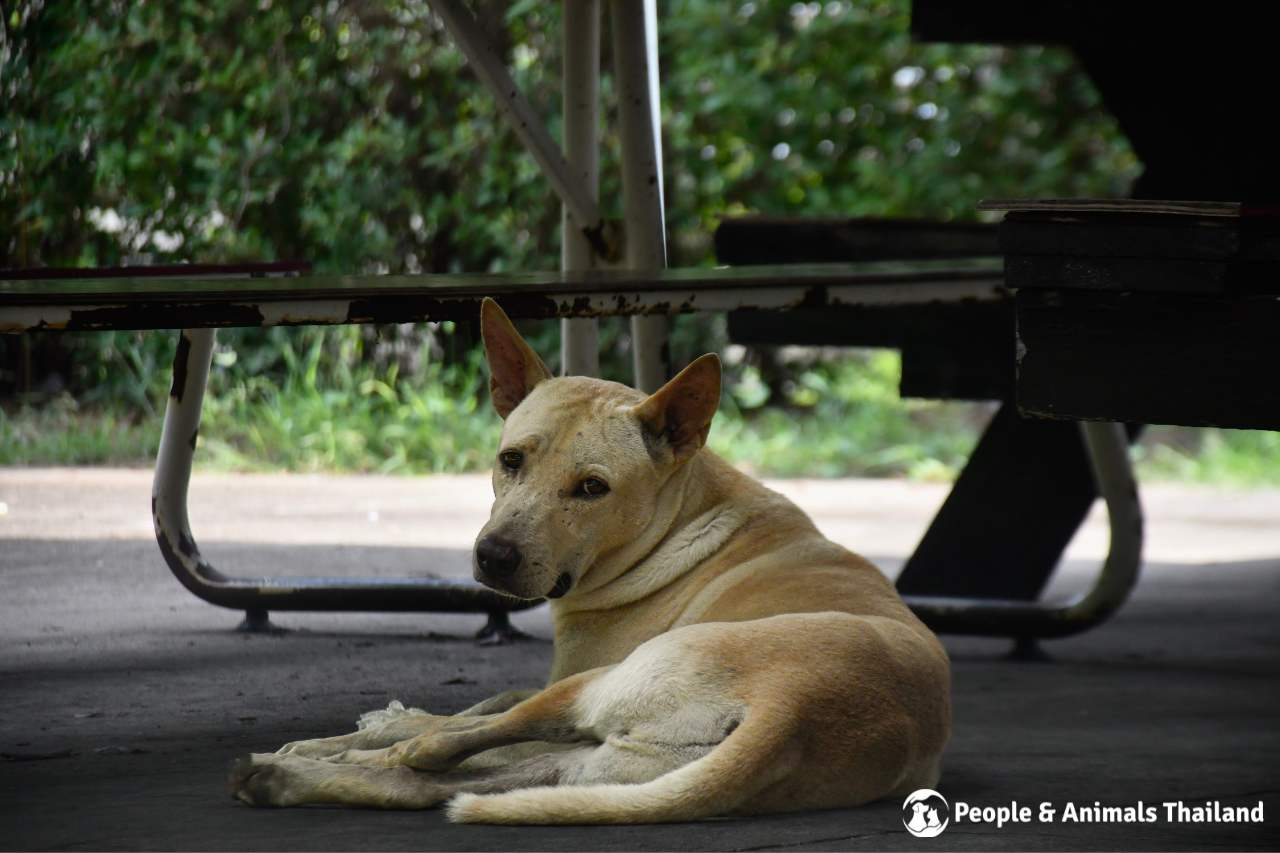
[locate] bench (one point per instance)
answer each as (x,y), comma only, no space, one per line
(909,297)
(270,295)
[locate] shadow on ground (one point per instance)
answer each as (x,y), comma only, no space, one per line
(125,699)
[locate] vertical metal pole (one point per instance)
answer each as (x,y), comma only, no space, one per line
(635,65)
(580,338)
(173,473)
(178,440)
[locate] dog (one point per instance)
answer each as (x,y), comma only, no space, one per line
(714,653)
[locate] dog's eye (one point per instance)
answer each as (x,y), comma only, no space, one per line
(593,487)
(511,459)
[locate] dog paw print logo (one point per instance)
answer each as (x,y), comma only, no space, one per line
(926,813)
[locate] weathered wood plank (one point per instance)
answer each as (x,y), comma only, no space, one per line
(774,240)
(1194,360)
(143,303)
(959,350)
(1119,236)
(1124,252)
(1079,272)
(1131,206)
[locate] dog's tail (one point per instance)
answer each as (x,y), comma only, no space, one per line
(751,758)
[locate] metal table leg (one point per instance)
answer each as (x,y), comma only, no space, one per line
(1108,448)
(258,596)
(635,68)
(580,99)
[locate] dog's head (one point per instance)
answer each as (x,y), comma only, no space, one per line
(581,463)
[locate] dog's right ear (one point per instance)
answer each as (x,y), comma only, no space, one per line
(514,368)
(680,412)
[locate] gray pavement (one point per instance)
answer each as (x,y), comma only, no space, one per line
(124,698)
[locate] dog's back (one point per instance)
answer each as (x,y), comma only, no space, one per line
(757,555)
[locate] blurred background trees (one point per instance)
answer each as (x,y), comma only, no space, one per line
(352,135)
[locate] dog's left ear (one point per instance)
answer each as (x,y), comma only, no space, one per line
(680,412)
(514,368)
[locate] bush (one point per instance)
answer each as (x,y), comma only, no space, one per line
(353,135)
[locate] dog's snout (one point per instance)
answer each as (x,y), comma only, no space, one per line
(497,556)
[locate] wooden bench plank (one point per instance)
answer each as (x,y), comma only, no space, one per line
(1161,358)
(1143,246)
(262,268)
(957,348)
(774,240)
(960,350)
(151,303)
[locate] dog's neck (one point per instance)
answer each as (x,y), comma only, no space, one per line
(694,518)
(693,521)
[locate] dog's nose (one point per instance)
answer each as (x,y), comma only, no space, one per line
(496,556)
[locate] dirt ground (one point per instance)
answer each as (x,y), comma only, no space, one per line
(125,698)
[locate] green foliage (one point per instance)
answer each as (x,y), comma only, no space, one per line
(59,431)
(347,413)
(352,135)
(1230,456)
(337,411)
(843,419)
(832,109)
(346,134)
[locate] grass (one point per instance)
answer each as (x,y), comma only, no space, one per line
(57,431)
(839,419)
(1234,457)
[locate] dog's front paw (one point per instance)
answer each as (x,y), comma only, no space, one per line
(318,747)
(262,780)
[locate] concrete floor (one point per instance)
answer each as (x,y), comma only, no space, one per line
(124,698)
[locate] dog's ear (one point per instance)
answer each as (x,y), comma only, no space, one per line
(680,412)
(514,368)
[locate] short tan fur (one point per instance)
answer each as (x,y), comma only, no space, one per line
(714,653)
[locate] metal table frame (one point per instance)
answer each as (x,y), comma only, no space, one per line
(590,285)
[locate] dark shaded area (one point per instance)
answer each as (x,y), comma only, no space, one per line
(956,348)
(152,694)
(1180,82)
(1010,515)
(763,239)
(1162,358)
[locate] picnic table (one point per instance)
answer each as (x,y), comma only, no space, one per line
(200,299)
(275,295)
(619,268)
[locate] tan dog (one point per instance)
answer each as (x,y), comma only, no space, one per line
(714,654)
